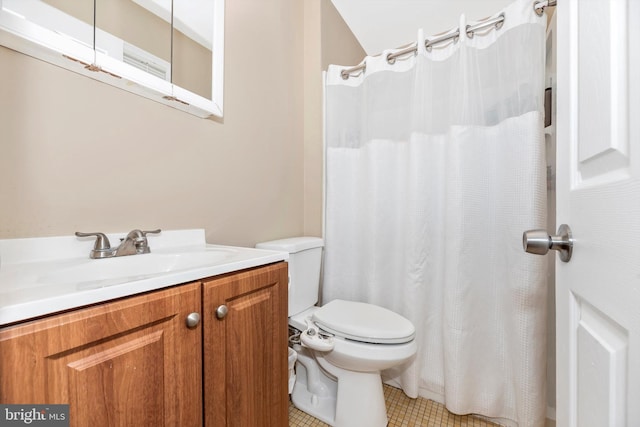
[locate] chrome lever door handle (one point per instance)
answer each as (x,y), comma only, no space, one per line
(539,242)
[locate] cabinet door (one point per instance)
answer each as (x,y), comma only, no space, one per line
(131,362)
(245,365)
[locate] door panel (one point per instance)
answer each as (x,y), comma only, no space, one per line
(245,371)
(602,90)
(127,375)
(598,190)
(601,367)
(123,363)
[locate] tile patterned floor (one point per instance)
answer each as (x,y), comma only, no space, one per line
(403,412)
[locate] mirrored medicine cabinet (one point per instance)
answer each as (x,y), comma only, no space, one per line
(170,51)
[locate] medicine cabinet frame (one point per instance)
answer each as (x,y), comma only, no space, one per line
(22,35)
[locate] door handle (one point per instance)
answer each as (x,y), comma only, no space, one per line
(539,242)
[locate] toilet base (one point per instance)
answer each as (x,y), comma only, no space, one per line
(314,392)
(355,399)
(360,400)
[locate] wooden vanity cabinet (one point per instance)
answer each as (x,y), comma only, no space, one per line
(132,362)
(245,348)
(135,362)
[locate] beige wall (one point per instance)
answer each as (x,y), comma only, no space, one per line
(76,154)
(327,40)
(79,155)
(339,45)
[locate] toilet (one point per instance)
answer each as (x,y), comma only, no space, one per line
(344,345)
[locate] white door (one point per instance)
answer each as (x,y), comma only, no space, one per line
(598,190)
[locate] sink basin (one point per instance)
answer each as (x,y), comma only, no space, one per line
(45,275)
(87,274)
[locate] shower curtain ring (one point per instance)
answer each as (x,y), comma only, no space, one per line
(538,7)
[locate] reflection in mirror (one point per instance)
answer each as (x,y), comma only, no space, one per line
(192,45)
(196,48)
(132,34)
(70,19)
(192,39)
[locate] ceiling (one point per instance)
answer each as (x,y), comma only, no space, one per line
(388,24)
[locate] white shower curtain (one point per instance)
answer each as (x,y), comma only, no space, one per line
(435,165)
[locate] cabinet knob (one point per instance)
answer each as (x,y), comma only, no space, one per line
(222,311)
(193,320)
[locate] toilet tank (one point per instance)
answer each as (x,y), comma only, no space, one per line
(305,258)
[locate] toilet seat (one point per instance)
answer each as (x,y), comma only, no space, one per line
(363,322)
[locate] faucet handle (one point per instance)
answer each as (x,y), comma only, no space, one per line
(142,246)
(102,246)
(102,241)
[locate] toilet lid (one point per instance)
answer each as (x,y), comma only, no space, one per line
(364,322)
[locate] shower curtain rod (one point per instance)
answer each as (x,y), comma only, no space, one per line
(454,34)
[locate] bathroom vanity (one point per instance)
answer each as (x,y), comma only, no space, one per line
(211,351)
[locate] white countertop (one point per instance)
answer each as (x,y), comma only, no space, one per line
(40,276)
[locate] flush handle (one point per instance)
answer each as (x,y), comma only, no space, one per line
(221,312)
(539,242)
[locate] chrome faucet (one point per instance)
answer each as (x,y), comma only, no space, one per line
(134,243)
